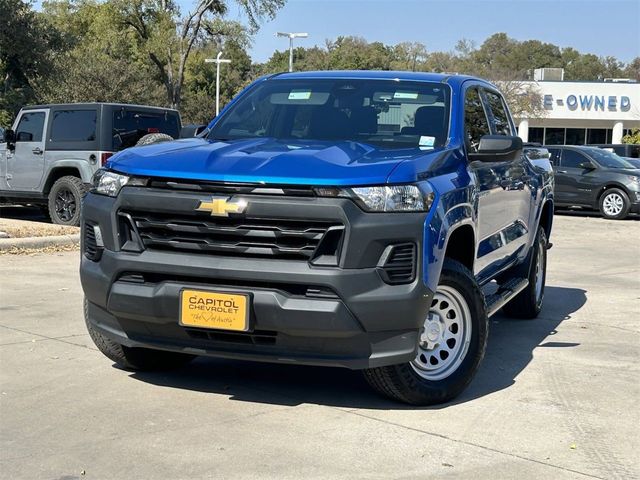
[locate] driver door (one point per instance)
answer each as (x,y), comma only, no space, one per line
(25,165)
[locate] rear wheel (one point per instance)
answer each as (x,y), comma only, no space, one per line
(614,204)
(528,303)
(65,200)
(134,358)
(451,345)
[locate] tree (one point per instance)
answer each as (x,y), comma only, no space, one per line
(26,46)
(633,137)
(169,39)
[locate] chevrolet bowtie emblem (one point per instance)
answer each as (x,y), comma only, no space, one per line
(222,206)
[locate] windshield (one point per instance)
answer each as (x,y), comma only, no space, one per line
(608,159)
(386,113)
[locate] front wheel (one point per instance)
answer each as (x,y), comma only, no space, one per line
(614,204)
(451,344)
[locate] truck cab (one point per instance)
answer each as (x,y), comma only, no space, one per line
(347,219)
(50,154)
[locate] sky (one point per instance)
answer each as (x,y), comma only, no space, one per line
(604,27)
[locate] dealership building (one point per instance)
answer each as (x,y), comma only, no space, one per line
(579,113)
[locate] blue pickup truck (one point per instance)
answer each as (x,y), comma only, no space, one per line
(367,220)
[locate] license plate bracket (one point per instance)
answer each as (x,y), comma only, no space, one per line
(214,309)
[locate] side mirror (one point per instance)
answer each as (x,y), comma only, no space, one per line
(24,137)
(587,165)
(497,148)
(10,138)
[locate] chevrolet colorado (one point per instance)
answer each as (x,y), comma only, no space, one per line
(368,220)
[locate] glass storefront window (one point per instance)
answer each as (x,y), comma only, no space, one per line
(554,136)
(575,136)
(596,135)
(536,135)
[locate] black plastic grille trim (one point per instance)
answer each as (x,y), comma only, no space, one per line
(91,249)
(274,238)
(399,266)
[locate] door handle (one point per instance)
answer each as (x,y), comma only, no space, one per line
(37,151)
(562,171)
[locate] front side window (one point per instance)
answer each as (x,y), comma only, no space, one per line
(475,120)
(73,126)
(554,156)
(501,124)
(385,113)
(30,127)
(572,159)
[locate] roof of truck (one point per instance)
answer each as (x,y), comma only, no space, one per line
(84,104)
(450,78)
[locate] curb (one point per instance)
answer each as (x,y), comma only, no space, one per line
(39,242)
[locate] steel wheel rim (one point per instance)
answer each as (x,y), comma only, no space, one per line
(612,204)
(445,337)
(539,270)
(65,204)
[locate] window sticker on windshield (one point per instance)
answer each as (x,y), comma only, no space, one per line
(299,94)
(426,141)
(405,95)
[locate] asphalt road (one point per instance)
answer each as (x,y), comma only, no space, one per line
(556,397)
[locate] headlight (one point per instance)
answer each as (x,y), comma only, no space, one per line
(386,198)
(633,178)
(110,183)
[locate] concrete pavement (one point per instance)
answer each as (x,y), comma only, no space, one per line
(556,397)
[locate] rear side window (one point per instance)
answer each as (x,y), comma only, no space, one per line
(475,120)
(129,126)
(73,126)
(572,159)
(499,114)
(30,127)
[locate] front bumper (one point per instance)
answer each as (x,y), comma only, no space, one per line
(343,315)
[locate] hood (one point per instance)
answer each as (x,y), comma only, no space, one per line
(264,160)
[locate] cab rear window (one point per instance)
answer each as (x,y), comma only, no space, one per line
(129,126)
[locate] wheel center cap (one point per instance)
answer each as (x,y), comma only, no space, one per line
(433,331)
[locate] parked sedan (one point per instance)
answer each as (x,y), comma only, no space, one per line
(593,178)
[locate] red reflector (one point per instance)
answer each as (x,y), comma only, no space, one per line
(104,157)
(153,130)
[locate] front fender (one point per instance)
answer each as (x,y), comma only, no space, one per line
(453,208)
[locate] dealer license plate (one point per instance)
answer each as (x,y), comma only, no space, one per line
(222,311)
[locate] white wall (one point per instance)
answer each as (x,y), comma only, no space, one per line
(592,101)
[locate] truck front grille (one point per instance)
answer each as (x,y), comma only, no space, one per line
(258,237)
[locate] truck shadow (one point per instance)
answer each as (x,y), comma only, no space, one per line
(510,349)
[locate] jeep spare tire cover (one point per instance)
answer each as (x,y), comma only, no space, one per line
(150,138)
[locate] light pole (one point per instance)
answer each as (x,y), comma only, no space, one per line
(217,61)
(291,36)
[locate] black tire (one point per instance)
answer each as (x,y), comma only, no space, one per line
(151,138)
(65,201)
(528,303)
(403,383)
(619,207)
(143,359)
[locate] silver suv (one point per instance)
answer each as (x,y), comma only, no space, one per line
(50,155)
